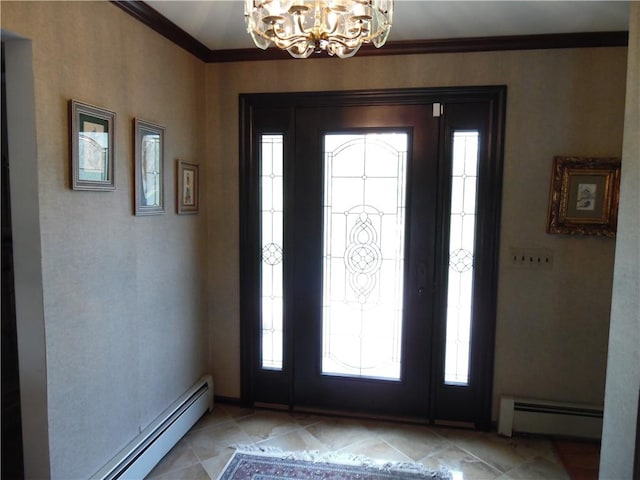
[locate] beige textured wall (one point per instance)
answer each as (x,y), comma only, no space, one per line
(619,434)
(551,325)
(124,297)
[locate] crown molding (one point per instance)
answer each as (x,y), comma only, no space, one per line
(150,17)
(448,45)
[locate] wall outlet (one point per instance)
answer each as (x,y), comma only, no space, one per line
(532,258)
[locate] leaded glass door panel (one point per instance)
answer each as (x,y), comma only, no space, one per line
(364,206)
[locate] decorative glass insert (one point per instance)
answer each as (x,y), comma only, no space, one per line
(272,232)
(462,223)
(363,254)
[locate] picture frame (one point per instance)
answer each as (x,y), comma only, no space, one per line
(148,168)
(188,187)
(584,196)
(92,146)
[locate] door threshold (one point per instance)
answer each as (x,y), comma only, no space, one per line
(325,412)
(361,415)
(455,424)
(339,413)
(271,406)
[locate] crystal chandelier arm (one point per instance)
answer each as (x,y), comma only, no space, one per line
(345,42)
(363,39)
(287,38)
(346,38)
(280,42)
(371,36)
(297,15)
(274,34)
(325,21)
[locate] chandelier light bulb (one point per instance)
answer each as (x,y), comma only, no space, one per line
(302,27)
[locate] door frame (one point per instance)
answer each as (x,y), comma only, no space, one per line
(284,105)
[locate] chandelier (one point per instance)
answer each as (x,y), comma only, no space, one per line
(302,27)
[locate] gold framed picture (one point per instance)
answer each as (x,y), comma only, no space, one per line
(584,196)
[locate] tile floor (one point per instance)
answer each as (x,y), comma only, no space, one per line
(205,449)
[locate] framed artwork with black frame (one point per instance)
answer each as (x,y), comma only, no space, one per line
(188,188)
(148,168)
(584,196)
(92,142)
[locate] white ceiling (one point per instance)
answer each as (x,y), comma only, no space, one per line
(219,24)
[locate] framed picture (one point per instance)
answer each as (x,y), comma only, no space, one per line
(188,190)
(92,147)
(584,196)
(148,168)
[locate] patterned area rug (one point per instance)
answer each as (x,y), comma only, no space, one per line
(274,466)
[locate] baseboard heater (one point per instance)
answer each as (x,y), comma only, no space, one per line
(144,452)
(549,418)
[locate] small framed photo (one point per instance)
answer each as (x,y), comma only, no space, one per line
(188,190)
(92,133)
(148,168)
(584,196)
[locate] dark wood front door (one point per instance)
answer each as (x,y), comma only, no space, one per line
(364,216)
(360,268)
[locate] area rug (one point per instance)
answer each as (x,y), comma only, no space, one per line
(255,465)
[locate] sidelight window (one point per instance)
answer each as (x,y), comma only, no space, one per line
(272,234)
(462,221)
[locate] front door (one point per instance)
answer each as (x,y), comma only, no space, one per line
(348,214)
(364,237)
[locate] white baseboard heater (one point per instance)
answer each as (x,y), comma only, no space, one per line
(144,452)
(549,418)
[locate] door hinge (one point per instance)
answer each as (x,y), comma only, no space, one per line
(438,109)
